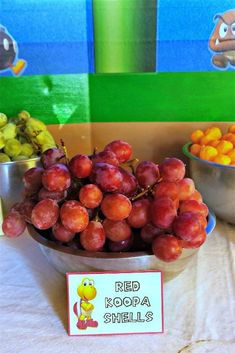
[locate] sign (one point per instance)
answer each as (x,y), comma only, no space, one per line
(114,303)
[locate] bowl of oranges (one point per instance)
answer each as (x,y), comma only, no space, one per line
(212,166)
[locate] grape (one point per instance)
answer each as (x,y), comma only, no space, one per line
(4,158)
(12,147)
(119,246)
(149,232)
(61,233)
(2,141)
(90,196)
(51,156)
(194,206)
(34,127)
(9,131)
(93,237)
(32,180)
(13,224)
(25,208)
(26,150)
(196,196)
(56,178)
(167,247)
(116,231)
(186,226)
(196,242)
(19,158)
(116,207)
(147,173)
(3,119)
(172,169)
(80,166)
(201,219)
(129,183)
(163,212)
(140,213)
(107,177)
(45,138)
(166,189)
(106,156)
(122,150)
(186,188)
(45,214)
(73,216)
(54,195)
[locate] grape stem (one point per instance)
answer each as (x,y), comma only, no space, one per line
(64,148)
(142,193)
(131,164)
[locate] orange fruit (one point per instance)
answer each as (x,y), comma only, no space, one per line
(195,149)
(222,159)
(208,153)
(224,147)
(196,135)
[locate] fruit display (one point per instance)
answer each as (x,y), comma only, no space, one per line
(23,137)
(214,146)
(109,202)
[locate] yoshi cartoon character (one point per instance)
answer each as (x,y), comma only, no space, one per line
(83,310)
(222,40)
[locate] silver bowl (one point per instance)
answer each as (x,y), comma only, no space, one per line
(216,183)
(11,186)
(67,259)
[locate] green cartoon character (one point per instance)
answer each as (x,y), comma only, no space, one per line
(83,310)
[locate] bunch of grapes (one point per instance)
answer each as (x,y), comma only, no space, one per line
(102,202)
(23,137)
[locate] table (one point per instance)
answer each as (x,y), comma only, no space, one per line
(199,304)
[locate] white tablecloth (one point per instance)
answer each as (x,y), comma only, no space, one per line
(199,304)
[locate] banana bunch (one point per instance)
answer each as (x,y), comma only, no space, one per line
(23,137)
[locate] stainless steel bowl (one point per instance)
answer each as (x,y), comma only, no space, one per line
(216,183)
(11,185)
(66,259)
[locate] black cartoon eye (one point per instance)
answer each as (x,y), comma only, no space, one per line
(86,283)
(223,30)
(233,28)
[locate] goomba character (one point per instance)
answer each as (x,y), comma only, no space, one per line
(222,40)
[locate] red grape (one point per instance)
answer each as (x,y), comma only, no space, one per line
(45,214)
(163,212)
(116,207)
(54,195)
(196,242)
(194,206)
(149,232)
(32,180)
(167,247)
(116,231)
(93,237)
(120,246)
(26,208)
(147,173)
(196,196)
(122,150)
(140,213)
(90,196)
(186,189)
(172,170)
(106,156)
(56,178)
(129,183)
(166,189)
(186,226)
(107,177)
(13,224)
(51,156)
(61,233)
(73,216)
(80,166)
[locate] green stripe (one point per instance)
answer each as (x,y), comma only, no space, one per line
(58,99)
(201,96)
(54,99)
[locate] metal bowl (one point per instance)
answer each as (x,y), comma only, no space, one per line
(216,183)
(11,185)
(67,259)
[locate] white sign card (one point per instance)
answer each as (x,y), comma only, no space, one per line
(111,303)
